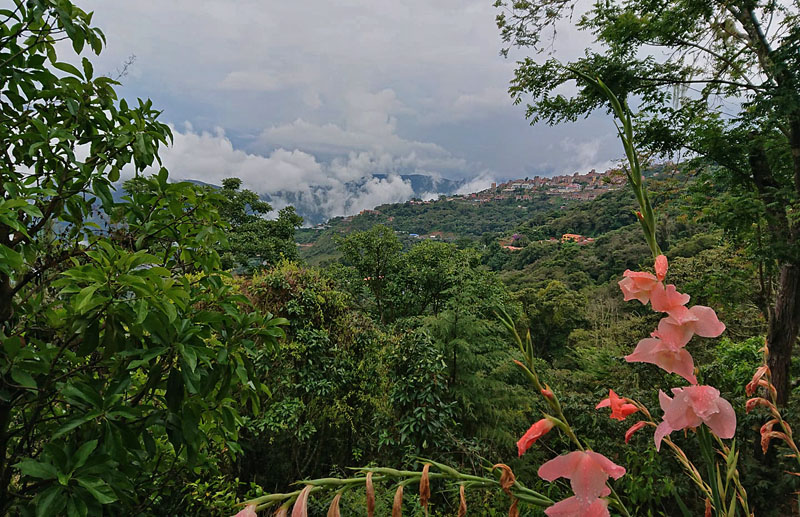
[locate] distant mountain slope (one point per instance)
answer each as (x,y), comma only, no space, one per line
(321,202)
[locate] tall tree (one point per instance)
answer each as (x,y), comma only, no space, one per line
(254,240)
(719,79)
(374,254)
(124,355)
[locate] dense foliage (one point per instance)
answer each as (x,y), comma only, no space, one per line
(165,351)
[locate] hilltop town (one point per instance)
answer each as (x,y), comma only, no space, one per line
(577,186)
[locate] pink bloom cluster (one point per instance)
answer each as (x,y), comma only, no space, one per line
(693,405)
(665,347)
(587,472)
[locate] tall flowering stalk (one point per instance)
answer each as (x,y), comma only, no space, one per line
(696,406)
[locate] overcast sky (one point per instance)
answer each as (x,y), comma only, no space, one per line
(287,94)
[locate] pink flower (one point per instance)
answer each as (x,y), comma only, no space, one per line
(247,511)
(575,507)
(692,406)
(665,348)
(661,267)
(586,470)
(536,431)
(665,354)
(638,285)
(700,320)
(753,403)
(635,427)
(668,299)
(620,409)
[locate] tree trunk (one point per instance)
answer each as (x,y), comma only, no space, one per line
(784,315)
(783,328)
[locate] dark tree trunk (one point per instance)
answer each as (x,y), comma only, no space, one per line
(784,315)
(783,328)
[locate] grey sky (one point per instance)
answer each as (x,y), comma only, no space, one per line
(291,93)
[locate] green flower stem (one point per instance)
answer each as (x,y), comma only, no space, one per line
(646,215)
(404,477)
(560,418)
(707,450)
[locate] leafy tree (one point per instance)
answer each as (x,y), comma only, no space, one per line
(330,382)
(373,253)
(553,311)
(425,273)
(742,54)
(124,356)
(254,240)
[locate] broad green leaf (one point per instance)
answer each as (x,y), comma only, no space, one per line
(37,469)
(98,488)
(88,70)
(70,69)
(23,378)
(77,422)
(82,454)
(50,502)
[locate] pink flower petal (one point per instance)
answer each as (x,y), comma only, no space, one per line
(673,332)
(608,466)
(668,358)
(637,285)
(247,511)
(662,430)
(693,406)
(300,508)
(723,423)
(587,472)
(573,507)
(707,324)
(667,299)
(570,507)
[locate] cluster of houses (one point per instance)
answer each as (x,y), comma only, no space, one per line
(576,186)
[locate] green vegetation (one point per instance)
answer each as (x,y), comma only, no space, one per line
(166,350)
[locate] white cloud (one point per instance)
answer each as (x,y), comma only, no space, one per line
(585,155)
(344,186)
(418,81)
(481,182)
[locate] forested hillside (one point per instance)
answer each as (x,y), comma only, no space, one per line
(172,348)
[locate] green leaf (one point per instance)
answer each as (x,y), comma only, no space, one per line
(12,346)
(66,67)
(175,390)
(76,507)
(50,502)
(189,356)
(37,469)
(9,259)
(23,378)
(83,300)
(98,488)
(72,424)
(88,70)
(82,454)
